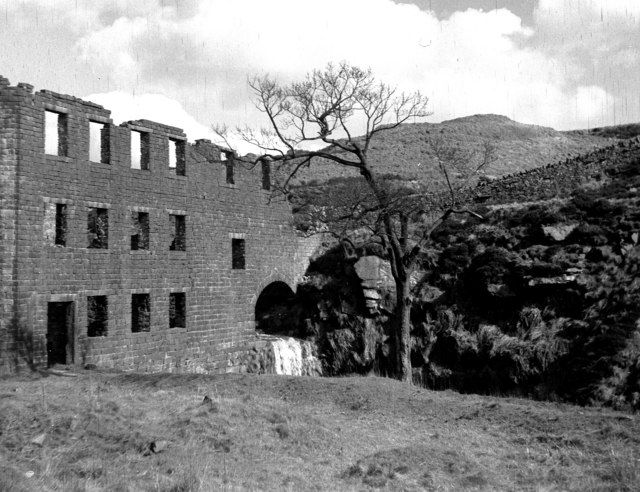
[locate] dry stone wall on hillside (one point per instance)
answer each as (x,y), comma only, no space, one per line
(558,179)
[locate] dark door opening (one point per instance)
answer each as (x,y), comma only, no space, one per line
(60,333)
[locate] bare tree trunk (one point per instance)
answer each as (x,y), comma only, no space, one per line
(403,331)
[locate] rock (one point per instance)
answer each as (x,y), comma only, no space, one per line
(374,271)
(369,284)
(158,446)
(559,232)
(551,281)
(29,474)
(368,268)
(500,290)
(430,294)
(39,439)
(371,294)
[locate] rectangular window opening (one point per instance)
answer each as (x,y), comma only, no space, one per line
(230,176)
(177,310)
(177,156)
(60,238)
(55,223)
(98,142)
(140,233)
(55,133)
(178,233)
(98,228)
(97,316)
(140,313)
(140,150)
(266,175)
(237,254)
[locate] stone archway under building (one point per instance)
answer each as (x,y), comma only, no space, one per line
(273,309)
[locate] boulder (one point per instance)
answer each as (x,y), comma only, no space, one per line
(430,294)
(558,232)
(368,268)
(500,290)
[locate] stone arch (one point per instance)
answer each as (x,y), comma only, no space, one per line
(273,292)
(274,277)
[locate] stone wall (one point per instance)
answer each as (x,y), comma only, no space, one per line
(558,179)
(35,272)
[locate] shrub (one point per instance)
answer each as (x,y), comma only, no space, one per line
(534,217)
(454,258)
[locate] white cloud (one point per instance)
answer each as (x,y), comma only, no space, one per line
(155,107)
(162,109)
(200,52)
(472,62)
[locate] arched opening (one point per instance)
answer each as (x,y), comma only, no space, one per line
(274,309)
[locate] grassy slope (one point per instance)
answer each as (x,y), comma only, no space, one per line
(273,432)
(405,151)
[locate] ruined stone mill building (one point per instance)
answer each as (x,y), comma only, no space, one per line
(126,246)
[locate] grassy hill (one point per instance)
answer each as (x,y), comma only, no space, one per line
(405,151)
(100,431)
(617,131)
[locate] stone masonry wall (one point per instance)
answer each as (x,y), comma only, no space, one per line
(34,271)
(558,179)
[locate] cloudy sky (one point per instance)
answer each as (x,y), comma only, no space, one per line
(560,63)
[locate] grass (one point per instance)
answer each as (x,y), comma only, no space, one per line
(405,151)
(109,431)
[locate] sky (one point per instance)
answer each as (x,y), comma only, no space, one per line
(562,63)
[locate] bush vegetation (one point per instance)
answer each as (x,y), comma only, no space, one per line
(521,312)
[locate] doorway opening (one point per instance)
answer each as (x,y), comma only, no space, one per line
(60,333)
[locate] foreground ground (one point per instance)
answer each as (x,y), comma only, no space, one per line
(158,432)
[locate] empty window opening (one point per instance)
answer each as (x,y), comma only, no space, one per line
(140,150)
(266,175)
(177,156)
(140,313)
(237,254)
(230,177)
(98,228)
(60,238)
(178,232)
(55,133)
(98,142)
(55,224)
(140,233)
(177,310)
(60,333)
(97,316)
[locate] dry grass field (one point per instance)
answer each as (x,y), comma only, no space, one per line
(111,431)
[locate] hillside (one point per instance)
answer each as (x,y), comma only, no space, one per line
(99,431)
(617,131)
(539,298)
(405,151)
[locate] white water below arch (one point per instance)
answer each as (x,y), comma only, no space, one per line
(294,357)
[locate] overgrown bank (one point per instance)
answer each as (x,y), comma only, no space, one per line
(541,300)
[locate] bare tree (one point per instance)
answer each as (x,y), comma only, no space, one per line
(343,108)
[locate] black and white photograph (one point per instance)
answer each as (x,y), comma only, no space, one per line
(290,245)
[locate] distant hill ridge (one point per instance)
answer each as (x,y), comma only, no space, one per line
(405,153)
